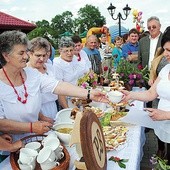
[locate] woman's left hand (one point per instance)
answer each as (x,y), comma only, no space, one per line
(157,114)
(45,118)
(7,137)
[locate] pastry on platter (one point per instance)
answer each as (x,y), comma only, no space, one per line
(74,112)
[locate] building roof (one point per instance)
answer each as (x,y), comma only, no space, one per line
(8,22)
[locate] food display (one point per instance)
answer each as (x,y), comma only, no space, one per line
(65,130)
(114,136)
(117,115)
(116,85)
(80,102)
(99,113)
(74,112)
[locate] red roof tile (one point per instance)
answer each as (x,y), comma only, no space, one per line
(10,22)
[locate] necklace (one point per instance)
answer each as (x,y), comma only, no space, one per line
(25,89)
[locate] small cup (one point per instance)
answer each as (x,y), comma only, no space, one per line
(52,134)
(45,166)
(49,138)
(27,155)
(46,155)
(34,145)
(59,155)
(115,96)
(106,88)
(30,166)
(53,143)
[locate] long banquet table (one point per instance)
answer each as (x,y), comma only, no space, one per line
(132,149)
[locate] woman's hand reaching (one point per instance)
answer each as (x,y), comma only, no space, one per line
(10,146)
(41,127)
(98,96)
(126,95)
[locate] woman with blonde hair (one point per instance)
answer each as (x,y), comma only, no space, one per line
(157,64)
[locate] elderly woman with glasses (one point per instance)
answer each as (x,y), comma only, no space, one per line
(21,88)
(38,50)
(159,88)
(67,66)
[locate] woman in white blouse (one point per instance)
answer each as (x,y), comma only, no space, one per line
(159,88)
(67,66)
(37,47)
(21,88)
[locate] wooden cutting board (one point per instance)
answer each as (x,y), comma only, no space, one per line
(92,142)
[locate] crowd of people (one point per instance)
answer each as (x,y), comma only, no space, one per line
(35,84)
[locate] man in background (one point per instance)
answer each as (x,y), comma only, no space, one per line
(148,46)
(150,43)
(130,49)
(93,54)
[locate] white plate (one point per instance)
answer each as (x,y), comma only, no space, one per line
(64,116)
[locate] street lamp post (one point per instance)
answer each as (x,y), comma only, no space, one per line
(126,11)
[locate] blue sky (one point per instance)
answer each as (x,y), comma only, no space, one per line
(36,10)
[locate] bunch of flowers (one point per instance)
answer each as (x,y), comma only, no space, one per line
(158,163)
(132,74)
(121,162)
(88,80)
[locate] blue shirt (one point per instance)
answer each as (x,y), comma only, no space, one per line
(129,48)
(117,55)
(95,59)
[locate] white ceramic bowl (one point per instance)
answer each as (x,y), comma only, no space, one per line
(115,96)
(63,137)
(106,88)
(64,116)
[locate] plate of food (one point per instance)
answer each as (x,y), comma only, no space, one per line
(115,137)
(99,112)
(80,102)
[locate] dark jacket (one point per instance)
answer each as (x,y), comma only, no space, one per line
(144,49)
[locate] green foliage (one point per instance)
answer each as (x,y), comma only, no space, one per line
(88,16)
(158,163)
(62,23)
(121,162)
(41,30)
(131,73)
(105,120)
(88,80)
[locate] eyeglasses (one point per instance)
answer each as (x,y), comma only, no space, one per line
(67,51)
(151,27)
(38,56)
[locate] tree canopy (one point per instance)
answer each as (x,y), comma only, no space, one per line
(88,17)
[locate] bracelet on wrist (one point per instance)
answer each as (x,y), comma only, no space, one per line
(88,94)
(31,131)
